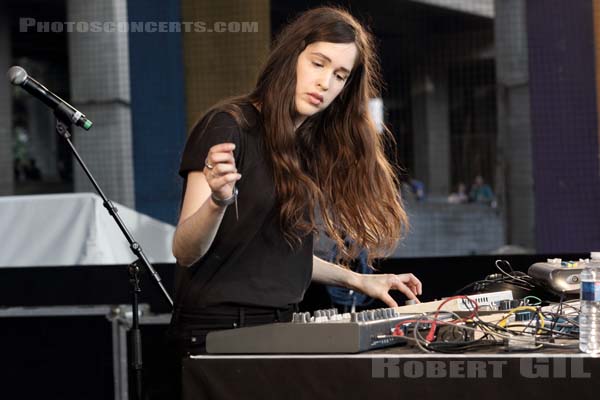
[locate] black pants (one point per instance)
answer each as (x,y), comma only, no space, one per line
(192,326)
(189,329)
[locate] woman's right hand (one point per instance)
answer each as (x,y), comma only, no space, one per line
(220,170)
(201,214)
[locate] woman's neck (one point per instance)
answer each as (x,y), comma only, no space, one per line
(298,121)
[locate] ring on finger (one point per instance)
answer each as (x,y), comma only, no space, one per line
(208,165)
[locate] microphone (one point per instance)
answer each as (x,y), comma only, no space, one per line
(63,110)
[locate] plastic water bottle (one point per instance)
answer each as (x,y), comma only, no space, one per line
(589,318)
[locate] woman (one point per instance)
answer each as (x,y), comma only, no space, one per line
(261,169)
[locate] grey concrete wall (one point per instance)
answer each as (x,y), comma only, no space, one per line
(438,128)
(514,167)
(442,229)
(431,132)
(430,102)
(6,142)
(40,123)
(100,88)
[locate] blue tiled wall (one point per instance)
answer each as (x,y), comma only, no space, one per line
(158,109)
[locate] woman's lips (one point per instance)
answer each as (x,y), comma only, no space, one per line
(315,99)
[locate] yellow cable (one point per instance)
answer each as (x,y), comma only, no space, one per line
(504,320)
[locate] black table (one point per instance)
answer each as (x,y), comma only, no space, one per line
(394,373)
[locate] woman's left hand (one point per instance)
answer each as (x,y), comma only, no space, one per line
(378,286)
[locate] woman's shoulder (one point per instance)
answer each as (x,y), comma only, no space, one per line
(241,115)
(249,116)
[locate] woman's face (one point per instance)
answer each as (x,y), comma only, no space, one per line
(322,70)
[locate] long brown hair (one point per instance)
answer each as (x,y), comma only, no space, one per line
(334,164)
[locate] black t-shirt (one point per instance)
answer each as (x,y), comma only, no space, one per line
(249,261)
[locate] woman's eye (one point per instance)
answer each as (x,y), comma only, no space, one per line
(340,78)
(316,64)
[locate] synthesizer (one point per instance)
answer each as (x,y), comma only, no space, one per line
(327,331)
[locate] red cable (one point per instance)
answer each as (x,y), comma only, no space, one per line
(431,333)
(434,322)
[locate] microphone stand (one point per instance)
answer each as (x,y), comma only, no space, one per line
(134,268)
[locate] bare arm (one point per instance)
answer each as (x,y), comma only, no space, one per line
(330,274)
(200,216)
(375,285)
